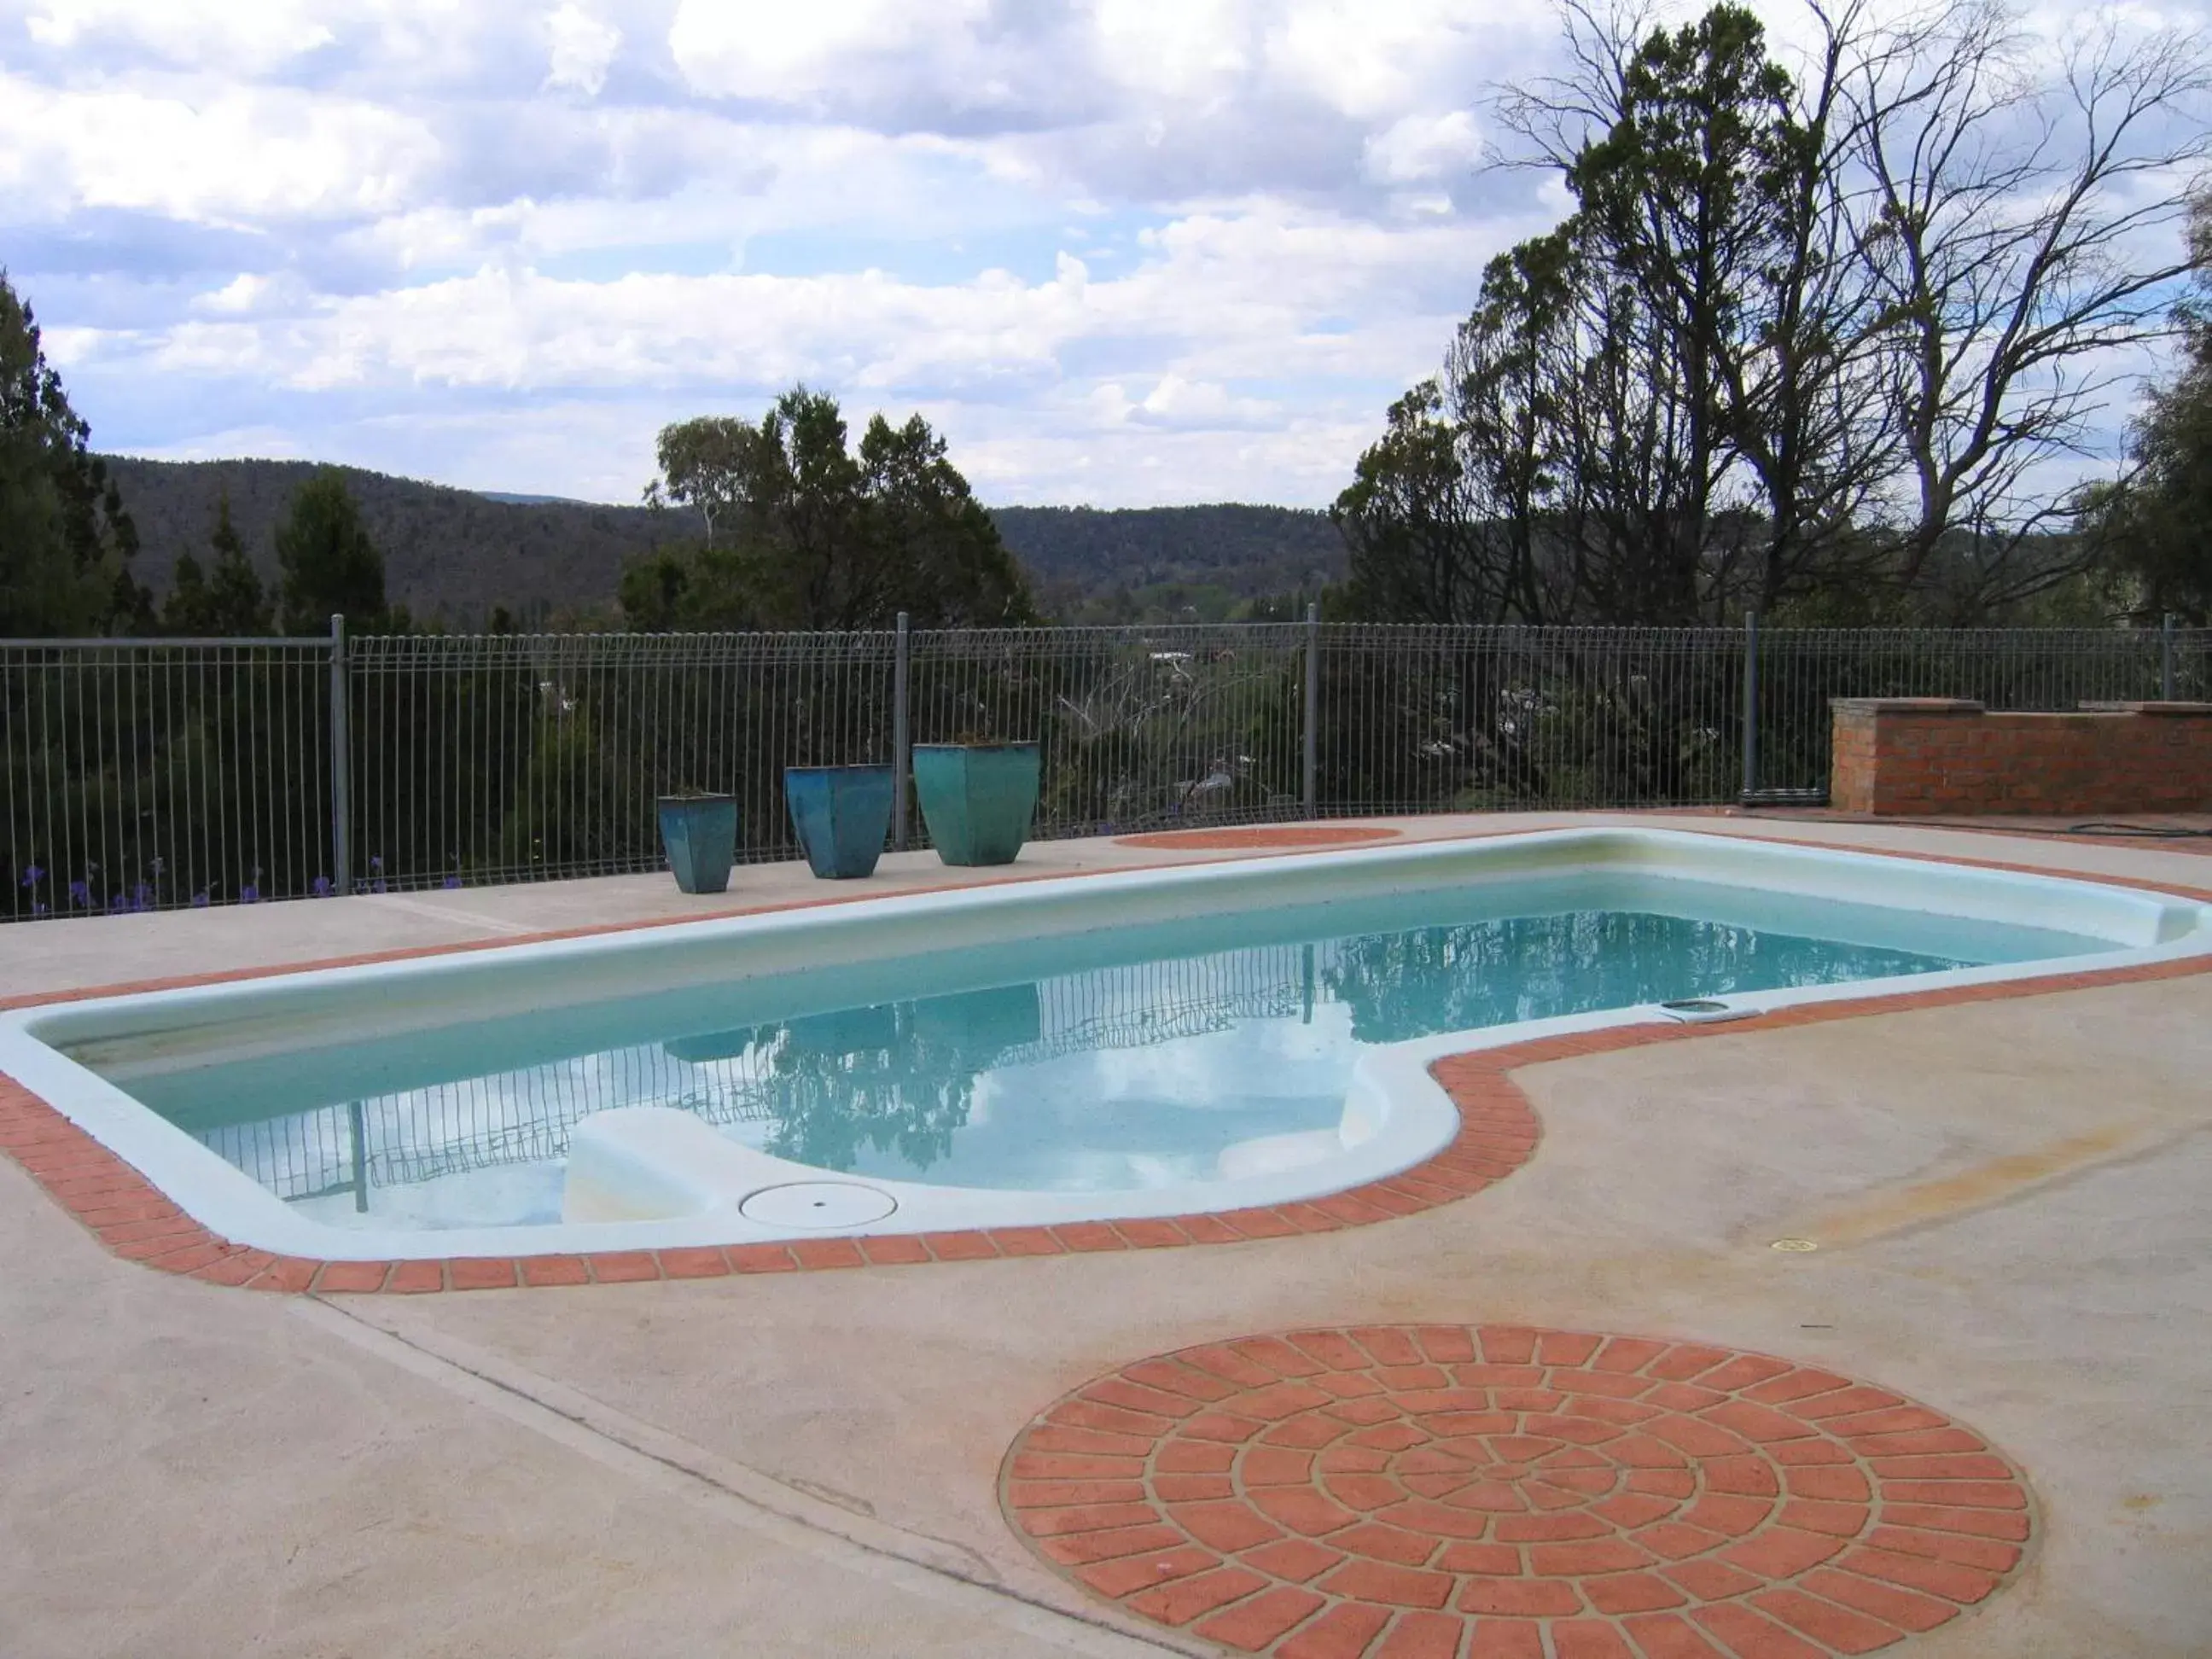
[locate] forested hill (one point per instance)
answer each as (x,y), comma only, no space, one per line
(448,554)
(1147,564)
(451,554)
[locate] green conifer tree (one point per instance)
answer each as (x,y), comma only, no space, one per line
(329,565)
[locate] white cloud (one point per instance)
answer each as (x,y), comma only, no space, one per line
(775,50)
(252,37)
(1370,57)
(66,348)
(1184,405)
(1231,296)
(583,47)
(257,297)
(1166,381)
(1416,147)
(1174,48)
(243,155)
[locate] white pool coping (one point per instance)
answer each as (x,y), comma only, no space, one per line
(1396,1115)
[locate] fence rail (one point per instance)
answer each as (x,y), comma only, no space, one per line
(147,774)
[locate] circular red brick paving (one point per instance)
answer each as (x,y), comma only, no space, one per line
(1263,834)
(1493,1493)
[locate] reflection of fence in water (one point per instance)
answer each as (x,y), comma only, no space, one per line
(525,1116)
(502,1119)
(1150,1002)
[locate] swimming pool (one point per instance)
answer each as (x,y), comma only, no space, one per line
(1148,1044)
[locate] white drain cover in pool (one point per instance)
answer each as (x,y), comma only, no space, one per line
(818,1204)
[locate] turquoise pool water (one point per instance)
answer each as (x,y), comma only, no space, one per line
(1128,1057)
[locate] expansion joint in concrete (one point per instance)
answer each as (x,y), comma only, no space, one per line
(940,1569)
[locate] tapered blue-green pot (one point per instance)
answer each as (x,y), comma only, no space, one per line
(977,798)
(843,814)
(700,833)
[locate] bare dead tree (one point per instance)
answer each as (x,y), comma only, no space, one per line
(2027,208)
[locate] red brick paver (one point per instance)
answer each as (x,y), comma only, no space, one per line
(1546,1493)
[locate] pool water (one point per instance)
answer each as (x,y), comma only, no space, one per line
(1122,1059)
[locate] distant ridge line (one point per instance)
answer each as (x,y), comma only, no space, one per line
(453,555)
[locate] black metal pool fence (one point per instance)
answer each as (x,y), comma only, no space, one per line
(152,774)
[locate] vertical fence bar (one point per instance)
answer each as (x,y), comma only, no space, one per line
(341,781)
(1750,706)
(2166,657)
(1311,759)
(902,744)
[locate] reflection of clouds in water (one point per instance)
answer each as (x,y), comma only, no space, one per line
(1273,1056)
(1142,1117)
(1261,1057)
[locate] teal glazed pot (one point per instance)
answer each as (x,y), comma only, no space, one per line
(977,799)
(842,814)
(700,833)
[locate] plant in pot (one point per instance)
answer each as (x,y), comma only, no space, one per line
(977,796)
(699,831)
(843,814)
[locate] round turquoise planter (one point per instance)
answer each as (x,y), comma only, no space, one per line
(976,799)
(700,833)
(842,814)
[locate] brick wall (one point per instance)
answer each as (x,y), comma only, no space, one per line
(1907,756)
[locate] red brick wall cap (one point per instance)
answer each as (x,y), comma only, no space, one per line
(1905,706)
(2164,710)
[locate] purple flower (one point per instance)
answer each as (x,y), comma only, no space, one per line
(376,863)
(142,897)
(32,874)
(200,900)
(322,887)
(251,893)
(80,892)
(452,881)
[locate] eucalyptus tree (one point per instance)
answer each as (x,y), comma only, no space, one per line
(806,531)
(2152,523)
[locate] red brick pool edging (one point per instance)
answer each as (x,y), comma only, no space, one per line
(1499,1133)
(1419,1491)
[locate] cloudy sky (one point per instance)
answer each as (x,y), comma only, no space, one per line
(1121,252)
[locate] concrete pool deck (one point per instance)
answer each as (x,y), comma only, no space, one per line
(2007,1196)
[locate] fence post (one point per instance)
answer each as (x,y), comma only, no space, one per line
(901,746)
(341,766)
(1312,758)
(2165,659)
(1750,706)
